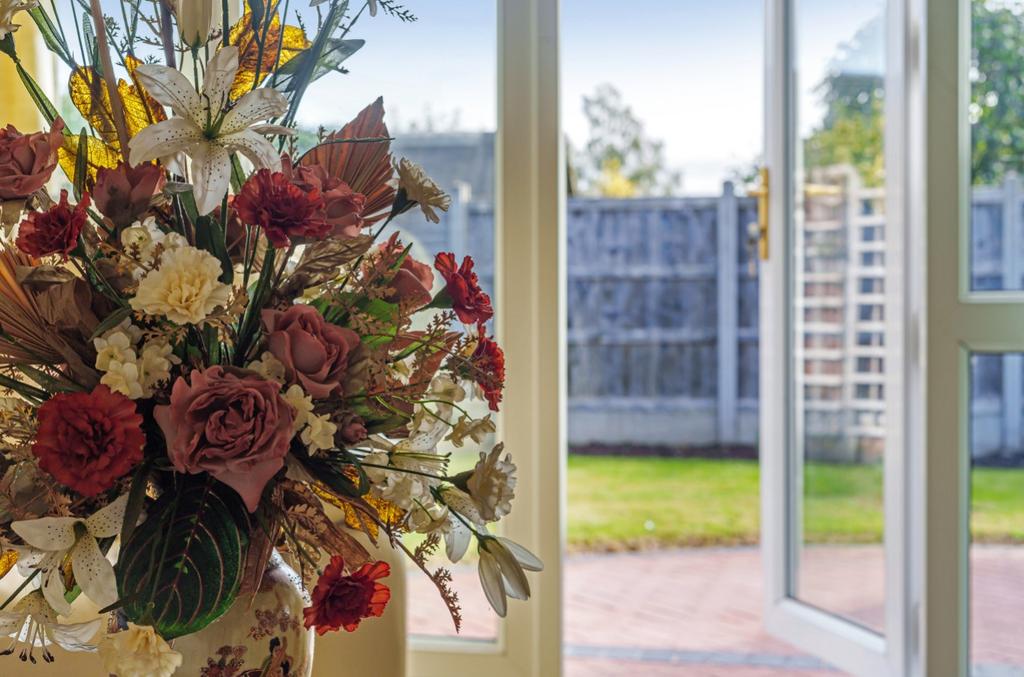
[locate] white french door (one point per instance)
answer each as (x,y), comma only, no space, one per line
(833,436)
(947,323)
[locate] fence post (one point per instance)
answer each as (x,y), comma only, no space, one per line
(1013,363)
(728,310)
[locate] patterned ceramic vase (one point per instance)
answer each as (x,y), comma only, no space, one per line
(265,638)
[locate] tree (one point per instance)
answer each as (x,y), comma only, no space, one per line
(619,159)
(852,128)
(997,91)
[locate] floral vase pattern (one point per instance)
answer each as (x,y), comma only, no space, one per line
(264,638)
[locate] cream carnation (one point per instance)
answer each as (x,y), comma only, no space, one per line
(185,288)
(138,652)
(421,189)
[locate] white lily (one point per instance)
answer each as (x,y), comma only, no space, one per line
(50,539)
(502,575)
(457,533)
(33,621)
(205,128)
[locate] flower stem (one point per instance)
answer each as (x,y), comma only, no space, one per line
(116,104)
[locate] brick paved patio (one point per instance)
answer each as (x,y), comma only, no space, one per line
(697,612)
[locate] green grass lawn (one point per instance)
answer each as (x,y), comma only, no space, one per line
(618,503)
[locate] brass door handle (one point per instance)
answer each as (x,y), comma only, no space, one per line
(759,230)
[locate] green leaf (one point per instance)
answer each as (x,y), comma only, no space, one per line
(115,318)
(136,500)
(49,32)
(330,469)
(7,46)
(335,53)
(81,164)
(39,97)
(210,236)
(386,425)
(180,570)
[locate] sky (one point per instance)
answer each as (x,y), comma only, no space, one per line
(692,71)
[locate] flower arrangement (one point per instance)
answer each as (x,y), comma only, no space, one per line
(209,352)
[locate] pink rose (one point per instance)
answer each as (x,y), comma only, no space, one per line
(314,352)
(27,160)
(230,423)
(413,281)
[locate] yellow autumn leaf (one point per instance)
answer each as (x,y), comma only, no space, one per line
(100,155)
(254,67)
(388,512)
(8,558)
(89,93)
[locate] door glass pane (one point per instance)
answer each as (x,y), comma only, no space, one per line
(997,514)
(839,312)
(997,145)
(438,78)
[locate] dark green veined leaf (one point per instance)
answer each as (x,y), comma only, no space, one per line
(182,567)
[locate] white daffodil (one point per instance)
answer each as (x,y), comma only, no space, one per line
(206,127)
(502,564)
(50,539)
(32,621)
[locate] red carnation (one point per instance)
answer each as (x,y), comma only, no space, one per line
(54,231)
(282,209)
(89,440)
(341,601)
(470,302)
(343,206)
(488,361)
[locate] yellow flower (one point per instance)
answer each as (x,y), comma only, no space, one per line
(301,403)
(116,346)
(270,368)
(318,435)
(124,378)
(185,288)
(138,652)
(421,189)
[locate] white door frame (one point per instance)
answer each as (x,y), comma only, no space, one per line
(529,298)
(840,642)
(952,322)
